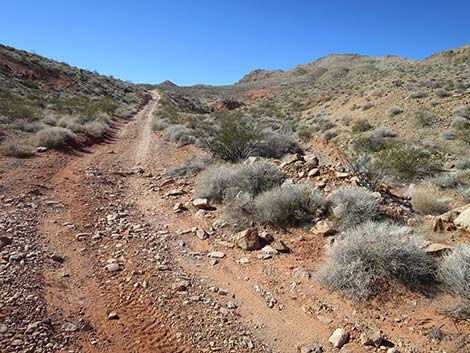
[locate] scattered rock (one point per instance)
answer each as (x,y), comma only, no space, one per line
(311,348)
(41,149)
(339,337)
(57,258)
(81,236)
(292,158)
(232,305)
(248,240)
(313,172)
(70,327)
(393,350)
(342,175)
(216,254)
(371,338)
(269,250)
(175,192)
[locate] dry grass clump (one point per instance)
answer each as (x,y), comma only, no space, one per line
(289,204)
(361,125)
(425,201)
(54,137)
(190,168)
(16,148)
(462,111)
(454,271)
(218,180)
(179,135)
(463,163)
(276,145)
(354,205)
(394,110)
(372,254)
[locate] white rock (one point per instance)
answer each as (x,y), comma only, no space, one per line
(339,337)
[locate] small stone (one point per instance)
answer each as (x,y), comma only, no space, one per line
(70,327)
(371,338)
(16,342)
(280,246)
(41,149)
(342,175)
(393,350)
(203,204)
(81,236)
(232,305)
(300,273)
(463,220)
(339,338)
(202,234)
(216,254)
(313,172)
(113,267)
(57,258)
(248,240)
(181,285)
(437,249)
(323,228)
(311,348)
(264,256)
(113,316)
(175,192)
(244,260)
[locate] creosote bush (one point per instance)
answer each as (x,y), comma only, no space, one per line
(394,110)
(372,254)
(218,180)
(354,205)
(289,204)
(54,137)
(361,125)
(454,271)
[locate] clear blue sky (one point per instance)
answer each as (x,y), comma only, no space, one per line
(218,41)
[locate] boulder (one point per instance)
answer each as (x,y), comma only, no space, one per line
(339,338)
(280,246)
(437,249)
(248,240)
(292,158)
(313,172)
(463,220)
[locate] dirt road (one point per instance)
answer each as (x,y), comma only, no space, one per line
(118,270)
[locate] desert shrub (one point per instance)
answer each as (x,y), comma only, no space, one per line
(442,93)
(366,166)
(447,181)
(378,92)
(367,106)
(233,138)
(54,137)
(190,168)
(448,135)
(218,180)
(361,125)
(16,148)
(275,145)
(462,111)
(96,129)
(465,191)
(458,310)
(372,254)
(179,135)
(463,163)
(460,123)
(407,162)
(417,94)
(328,135)
(394,110)
(158,124)
(454,271)
(304,133)
(289,204)
(354,205)
(322,124)
(425,201)
(424,118)
(28,126)
(383,132)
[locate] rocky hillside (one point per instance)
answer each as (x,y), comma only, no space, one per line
(50,104)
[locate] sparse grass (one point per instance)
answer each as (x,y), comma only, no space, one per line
(454,271)
(16,148)
(354,205)
(458,310)
(425,201)
(447,181)
(55,137)
(290,204)
(372,254)
(424,118)
(218,180)
(190,168)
